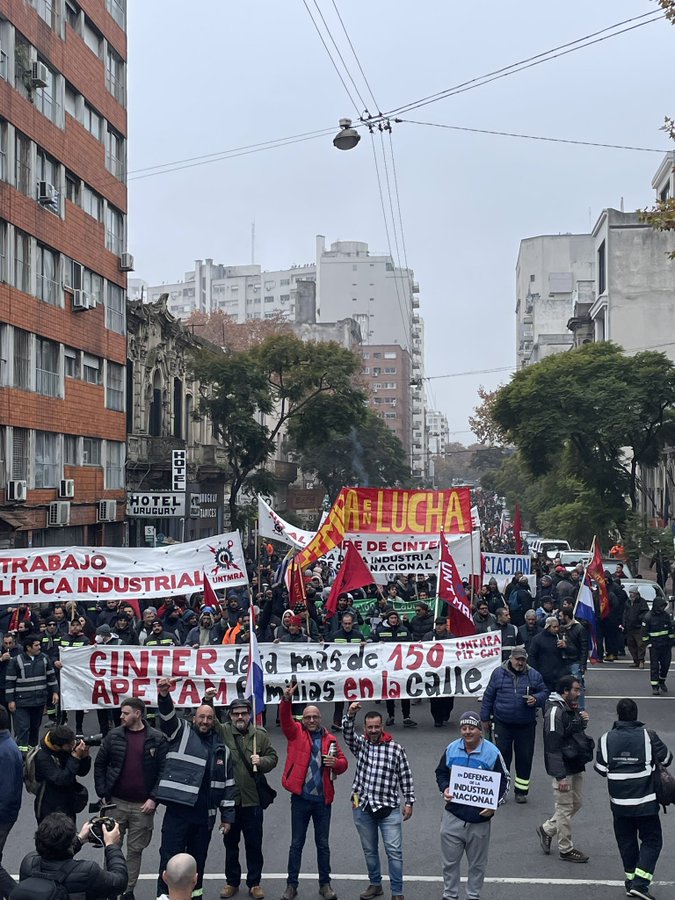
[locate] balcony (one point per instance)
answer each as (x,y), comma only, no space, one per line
(153,450)
(415,287)
(415,302)
(286,472)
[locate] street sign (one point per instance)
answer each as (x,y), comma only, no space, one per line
(155,505)
(179,470)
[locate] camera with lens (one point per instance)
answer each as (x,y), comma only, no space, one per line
(91,740)
(100,823)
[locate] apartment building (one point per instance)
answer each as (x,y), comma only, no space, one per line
(63,259)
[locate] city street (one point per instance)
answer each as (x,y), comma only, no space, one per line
(517,867)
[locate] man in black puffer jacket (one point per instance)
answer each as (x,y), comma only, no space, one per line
(59,761)
(56,843)
(127,770)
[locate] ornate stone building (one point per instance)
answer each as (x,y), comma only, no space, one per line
(163,416)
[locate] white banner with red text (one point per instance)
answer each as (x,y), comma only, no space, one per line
(102,676)
(49,574)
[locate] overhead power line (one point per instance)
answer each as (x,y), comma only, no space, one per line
(330,55)
(354,53)
(547,55)
(535,137)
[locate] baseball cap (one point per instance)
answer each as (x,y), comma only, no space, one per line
(519,653)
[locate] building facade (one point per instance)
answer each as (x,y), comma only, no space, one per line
(547,271)
(63,259)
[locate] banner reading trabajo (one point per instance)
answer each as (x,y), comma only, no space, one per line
(102,676)
(46,575)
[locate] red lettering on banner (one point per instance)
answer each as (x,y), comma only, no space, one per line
(180,657)
(132,666)
(397,657)
(390,691)
(221,691)
(366,689)
(99,694)
(63,587)
(98,561)
(350,689)
(163,583)
(96,657)
(162,655)
(205,661)
(188,694)
(46,585)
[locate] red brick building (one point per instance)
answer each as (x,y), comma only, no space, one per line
(63,204)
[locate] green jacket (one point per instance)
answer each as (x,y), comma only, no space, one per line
(246,793)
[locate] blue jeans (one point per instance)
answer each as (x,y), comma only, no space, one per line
(392,838)
(575,669)
(302,811)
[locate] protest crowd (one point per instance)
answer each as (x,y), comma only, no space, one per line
(206,766)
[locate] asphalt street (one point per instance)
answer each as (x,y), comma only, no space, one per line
(517,866)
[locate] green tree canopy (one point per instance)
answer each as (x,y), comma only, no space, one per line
(594,410)
(341,453)
(252,395)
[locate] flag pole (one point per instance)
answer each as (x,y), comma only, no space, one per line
(253,698)
(438,576)
(472,568)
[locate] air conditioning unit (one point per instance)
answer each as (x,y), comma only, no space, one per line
(17,490)
(39,75)
(59,513)
(82,300)
(126,262)
(47,193)
(67,487)
(107,510)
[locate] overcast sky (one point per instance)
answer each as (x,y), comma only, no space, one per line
(218,74)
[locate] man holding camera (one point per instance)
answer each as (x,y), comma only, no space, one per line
(59,761)
(56,843)
(127,770)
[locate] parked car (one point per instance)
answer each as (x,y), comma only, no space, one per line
(610,566)
(648,589)
(547,547)
(570,558)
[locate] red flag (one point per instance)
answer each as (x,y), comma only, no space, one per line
(210,598)
(296,584)
(596,570)
(354,573)
(517,528)
(451,589)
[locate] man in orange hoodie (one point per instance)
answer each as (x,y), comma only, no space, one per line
(313,760)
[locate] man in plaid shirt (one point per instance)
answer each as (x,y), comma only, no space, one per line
(382,769)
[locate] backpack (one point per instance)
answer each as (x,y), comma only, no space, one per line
(664,782)
(30,781)
(42,886)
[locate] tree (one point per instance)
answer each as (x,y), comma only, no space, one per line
(482,423)
(224,331)
(367,454)
(253,395)
(596,410)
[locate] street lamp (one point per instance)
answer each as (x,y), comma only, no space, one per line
(347,137)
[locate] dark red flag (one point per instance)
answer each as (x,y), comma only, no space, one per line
(296,584)
(596,570)
(353,573)
(210,598)
(517,528)
(451,589)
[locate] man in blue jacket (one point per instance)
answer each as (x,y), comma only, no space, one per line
(11,765)
(466,829)
(510,703)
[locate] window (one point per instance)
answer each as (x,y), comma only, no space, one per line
(47,356)
(114,308)
(21,359)
(115,75)
(284,281)
(114,153)
(71,362)
(48,169)
(365,370)
(21,64)
(70,448)
(91,451)
(390,355)
(3,151)
(389,415)
(93,285)
(45,9)
(114,230)
(377,356)
(114,387)
(602,269)
(114,465)
(72,188)
(92,203)
(118,10)
(21,260)
(92,37)
(44,98)
(91,368)
(70,100)
(390,370)
(269,299)
(285,298)
(390,385)
(3,454)
(73,15)
(22,178)
(3,251)
(47,465)
(92,122)
(20,453)
(46,267)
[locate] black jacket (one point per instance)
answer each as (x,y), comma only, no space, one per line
(560,723)
(420,625)
(547,658)
(58,772)
(634,613)
(576,638)
(86,880)
(110,760)
(526,634)
(625,757)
